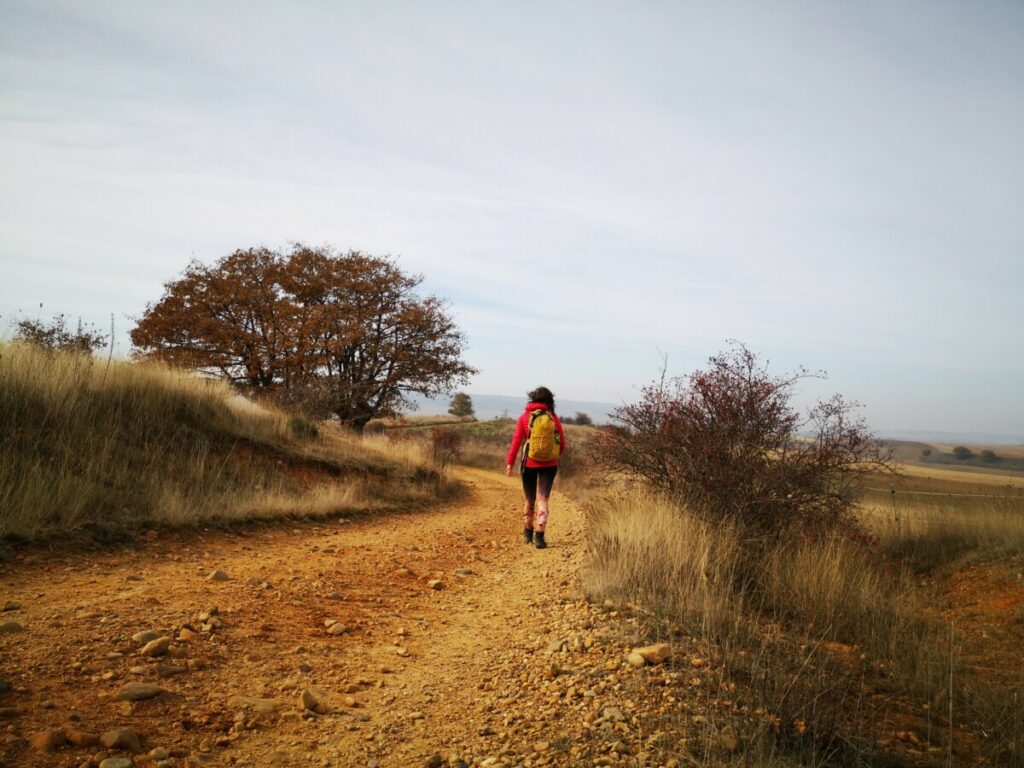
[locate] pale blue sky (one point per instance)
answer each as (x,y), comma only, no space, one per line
(590,184)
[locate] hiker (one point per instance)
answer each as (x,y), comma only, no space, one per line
(545,442)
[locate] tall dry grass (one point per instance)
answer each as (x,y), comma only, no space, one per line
(930,532)
(804,624)
(87,445)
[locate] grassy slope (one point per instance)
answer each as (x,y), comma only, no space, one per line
(831,639)
(87,446)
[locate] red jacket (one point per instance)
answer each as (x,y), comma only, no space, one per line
(523,432)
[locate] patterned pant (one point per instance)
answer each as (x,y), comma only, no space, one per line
(537,483)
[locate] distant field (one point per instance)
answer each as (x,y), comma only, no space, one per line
(925,483)
(1000,460)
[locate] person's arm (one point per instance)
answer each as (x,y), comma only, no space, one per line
(561,434)
(513,449)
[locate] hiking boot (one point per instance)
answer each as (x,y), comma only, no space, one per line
(539,539)
(528,535)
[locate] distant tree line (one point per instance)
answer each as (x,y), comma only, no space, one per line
(581,419)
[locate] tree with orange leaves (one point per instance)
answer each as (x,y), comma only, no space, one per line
(342,334)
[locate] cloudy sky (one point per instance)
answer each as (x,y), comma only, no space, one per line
(592,185)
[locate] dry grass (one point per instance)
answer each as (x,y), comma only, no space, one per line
(87,446)
(929,533)
(803,627)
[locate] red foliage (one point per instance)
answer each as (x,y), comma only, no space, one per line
(343,334)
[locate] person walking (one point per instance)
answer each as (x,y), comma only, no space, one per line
(545,443)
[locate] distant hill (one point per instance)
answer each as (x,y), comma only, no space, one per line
(959,438)
(498,406)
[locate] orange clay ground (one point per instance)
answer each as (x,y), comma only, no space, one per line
(500,662)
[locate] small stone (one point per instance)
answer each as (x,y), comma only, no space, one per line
(122,738)
(83,738)
(156,647)
(218,575)
(401,651)
(311,699)
(10,605)
(10,627)
(436,584)
(260,706)
(169,670)
(615,714)
(48,741)
(636,660)
(144,636)
(187,634)
(463,571)
(435,761)
(304,667)
(159,753)
(541,746)
(337,629)
(655,654)
(139,691)
(4,686)
(117,762)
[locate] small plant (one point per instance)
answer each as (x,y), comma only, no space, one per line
(445,446)
(962,453)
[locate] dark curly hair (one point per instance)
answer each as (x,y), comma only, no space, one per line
(543,395)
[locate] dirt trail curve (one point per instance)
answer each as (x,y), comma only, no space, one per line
(504,665)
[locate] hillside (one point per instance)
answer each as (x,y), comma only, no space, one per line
(108,449)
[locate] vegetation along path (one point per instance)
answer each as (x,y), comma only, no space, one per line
(454,642)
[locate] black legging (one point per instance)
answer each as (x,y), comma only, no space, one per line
(538,478)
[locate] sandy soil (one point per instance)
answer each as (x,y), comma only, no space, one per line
(504,665)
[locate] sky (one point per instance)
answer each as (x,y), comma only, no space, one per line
(595,187)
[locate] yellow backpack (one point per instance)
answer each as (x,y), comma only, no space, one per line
(543,443)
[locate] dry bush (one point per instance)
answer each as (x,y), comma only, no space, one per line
(87,445)
(445,446)
(727,442)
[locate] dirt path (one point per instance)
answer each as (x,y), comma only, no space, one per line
(504,665)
